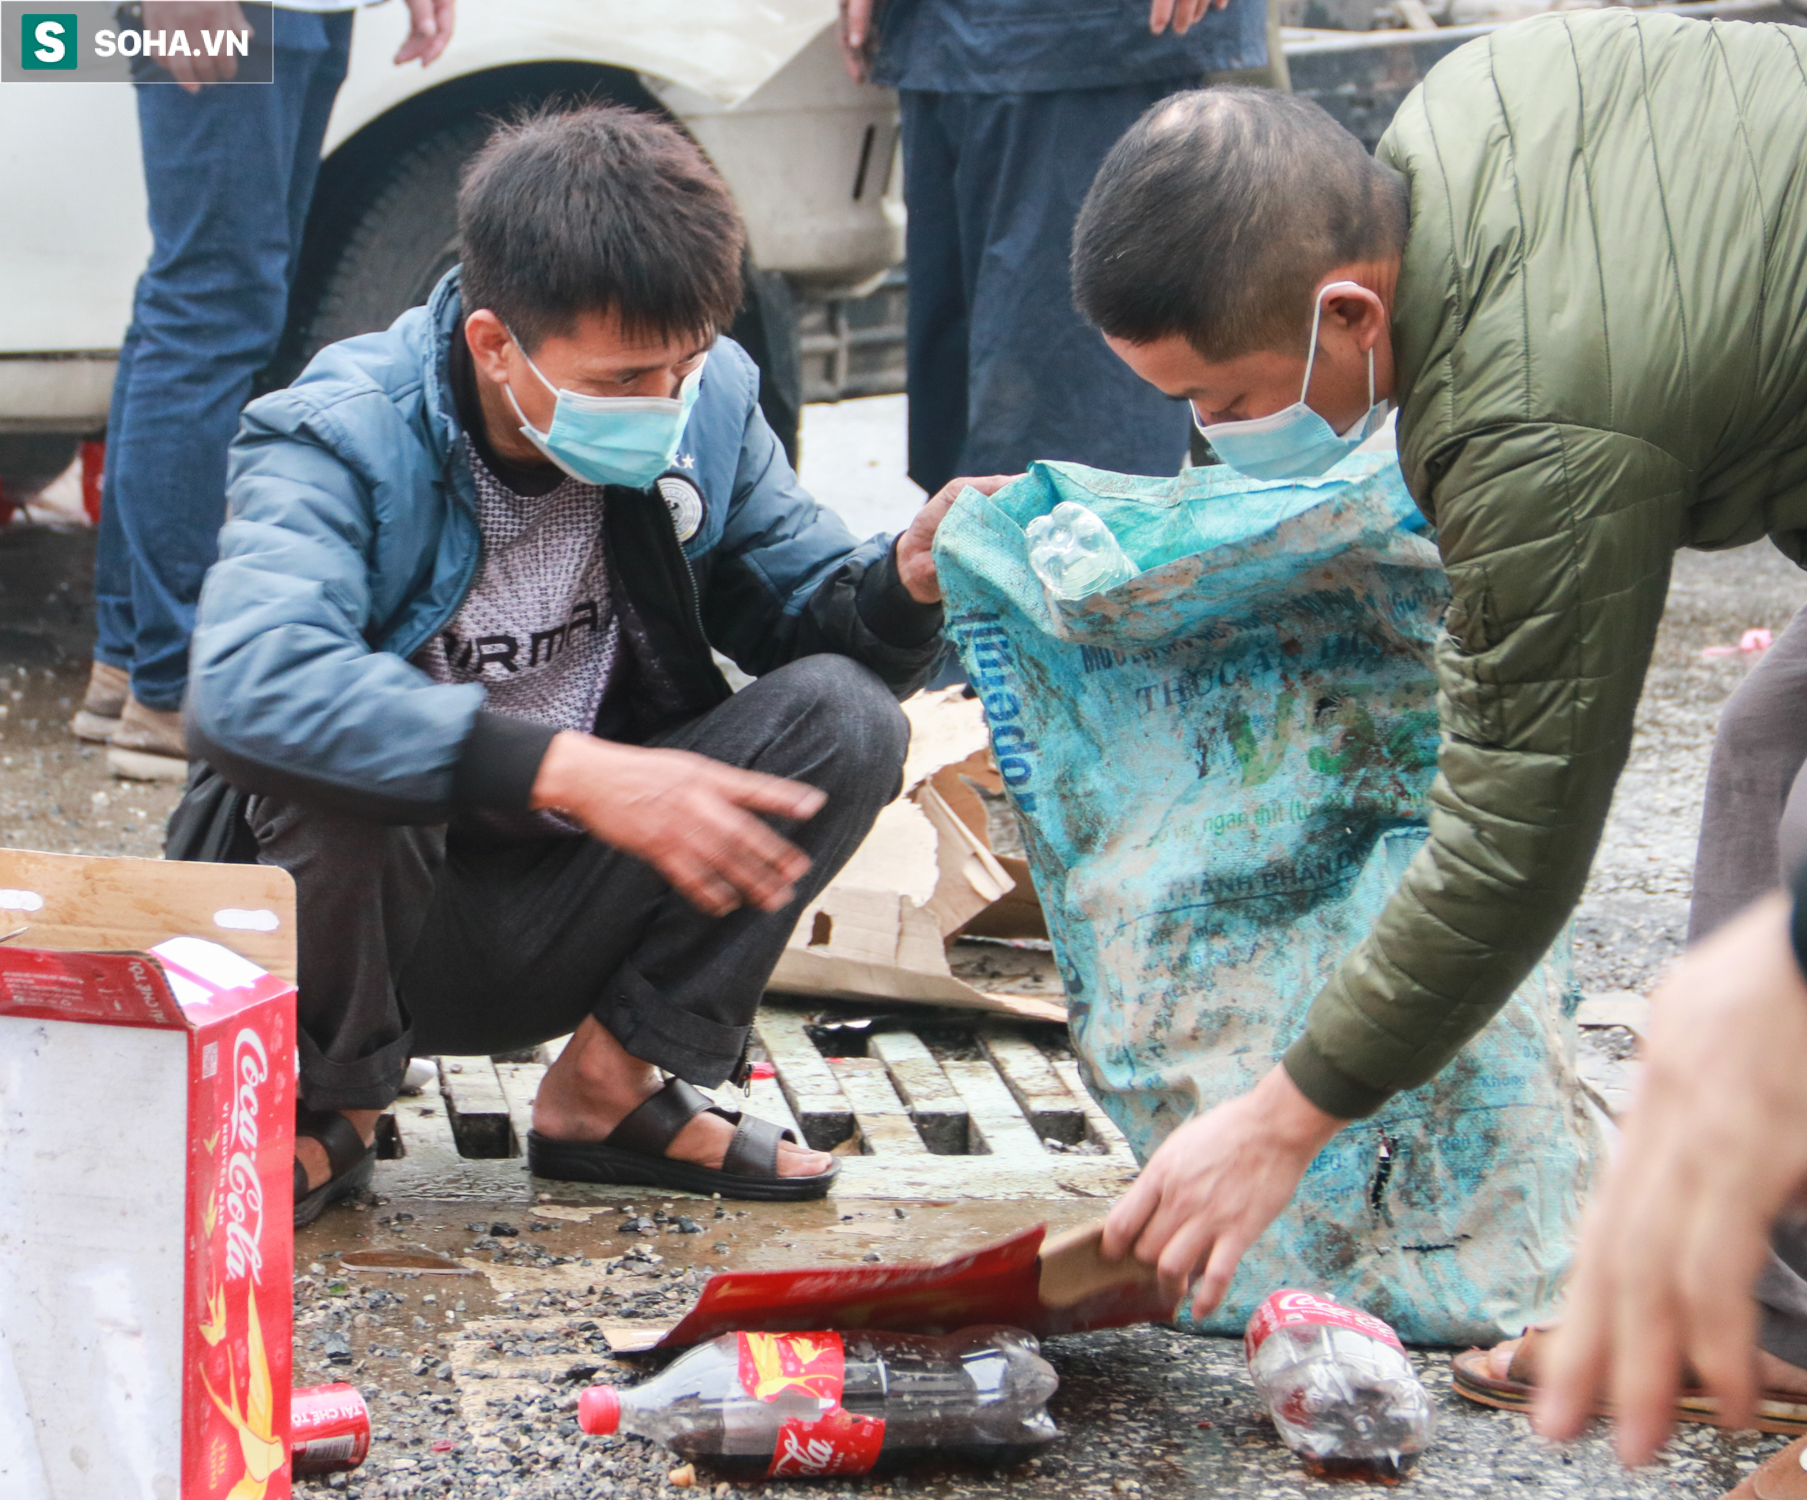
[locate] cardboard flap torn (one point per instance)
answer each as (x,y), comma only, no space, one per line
(924,876)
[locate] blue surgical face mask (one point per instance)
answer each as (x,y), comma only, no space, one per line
(1295,443)
(626,440)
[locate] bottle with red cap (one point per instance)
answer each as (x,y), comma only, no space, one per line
(801,1404)
(1338,1386)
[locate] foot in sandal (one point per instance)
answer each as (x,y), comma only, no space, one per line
(335,1156)
(1782,1476)
(603,1115)
(1506,1376)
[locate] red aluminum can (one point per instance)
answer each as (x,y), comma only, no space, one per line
(329,1430)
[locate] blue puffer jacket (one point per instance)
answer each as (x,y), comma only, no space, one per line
(352,537)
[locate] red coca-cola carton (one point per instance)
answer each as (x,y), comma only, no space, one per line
(147,1101)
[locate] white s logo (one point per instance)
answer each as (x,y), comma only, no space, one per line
(50,41)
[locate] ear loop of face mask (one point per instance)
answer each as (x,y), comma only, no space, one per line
(508,386)
(1311,356)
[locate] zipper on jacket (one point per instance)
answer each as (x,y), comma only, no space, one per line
(696,603)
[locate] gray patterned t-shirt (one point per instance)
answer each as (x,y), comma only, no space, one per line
(537,628)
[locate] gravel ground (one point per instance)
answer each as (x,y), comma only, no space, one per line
(55,793)
(1144,1412)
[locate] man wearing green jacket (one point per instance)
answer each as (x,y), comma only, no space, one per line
(1576,268)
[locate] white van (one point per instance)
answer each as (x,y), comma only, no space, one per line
(811,157)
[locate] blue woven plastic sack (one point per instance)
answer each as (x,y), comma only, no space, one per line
(1222,769)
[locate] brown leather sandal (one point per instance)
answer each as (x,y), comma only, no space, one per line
(1782,1476)
(1777,1411)
(633,1155)
(350,1163)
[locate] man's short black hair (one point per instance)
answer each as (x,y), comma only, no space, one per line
(1218,214)
(574,211)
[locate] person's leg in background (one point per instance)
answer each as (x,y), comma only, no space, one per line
(1752,827)
(937,322)
(1041,383)
(226,213)
(109,678)
(1759,749)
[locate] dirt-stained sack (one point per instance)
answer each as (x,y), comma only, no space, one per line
(1222,768)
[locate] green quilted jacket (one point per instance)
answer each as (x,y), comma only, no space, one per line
(1601,338)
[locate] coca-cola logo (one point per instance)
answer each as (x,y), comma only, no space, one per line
(837,1442)
(801,1455)
(244,1187)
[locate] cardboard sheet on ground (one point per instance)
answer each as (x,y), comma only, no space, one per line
(1046,1286)
(925,875)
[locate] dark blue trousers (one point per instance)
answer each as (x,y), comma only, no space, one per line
(229,173)
(1002,370)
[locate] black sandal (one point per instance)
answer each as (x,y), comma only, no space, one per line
(634,1153)
(350,1162)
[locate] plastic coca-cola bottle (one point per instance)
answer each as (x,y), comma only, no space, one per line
(799,1404)
(1338,1386)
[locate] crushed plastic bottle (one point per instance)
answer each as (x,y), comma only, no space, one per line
(1075,554)
(802,1404)
(1338,1386)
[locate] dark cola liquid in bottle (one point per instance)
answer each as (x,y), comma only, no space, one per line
(801,1404)
(1338,1386)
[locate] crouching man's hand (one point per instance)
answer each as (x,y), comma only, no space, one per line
(689,817)
(1215,1185)
(916,547)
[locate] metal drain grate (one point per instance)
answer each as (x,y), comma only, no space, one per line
(946,1106)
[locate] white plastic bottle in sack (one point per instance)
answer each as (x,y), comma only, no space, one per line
(1338,1386)
(1074,553)
(797,1405)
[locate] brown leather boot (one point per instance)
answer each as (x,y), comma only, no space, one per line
(148,744)
(103,703)
(1783,1476)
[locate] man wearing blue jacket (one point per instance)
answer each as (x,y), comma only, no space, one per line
(459,647)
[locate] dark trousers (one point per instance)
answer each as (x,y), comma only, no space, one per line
(1753,828)
(228,173)
(1753,835)
(417,941)
(1002,370)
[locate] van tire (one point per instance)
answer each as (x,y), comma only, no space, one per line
(397,248)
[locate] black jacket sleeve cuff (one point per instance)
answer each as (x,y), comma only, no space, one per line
(499,762)
(1327,1086)
(888,611)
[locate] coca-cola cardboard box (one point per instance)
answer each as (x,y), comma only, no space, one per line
(147,1102)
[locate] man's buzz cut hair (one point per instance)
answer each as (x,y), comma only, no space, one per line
(568,211)
(1218,214)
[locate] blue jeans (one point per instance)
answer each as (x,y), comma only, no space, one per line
(228,173)
(1002,370)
